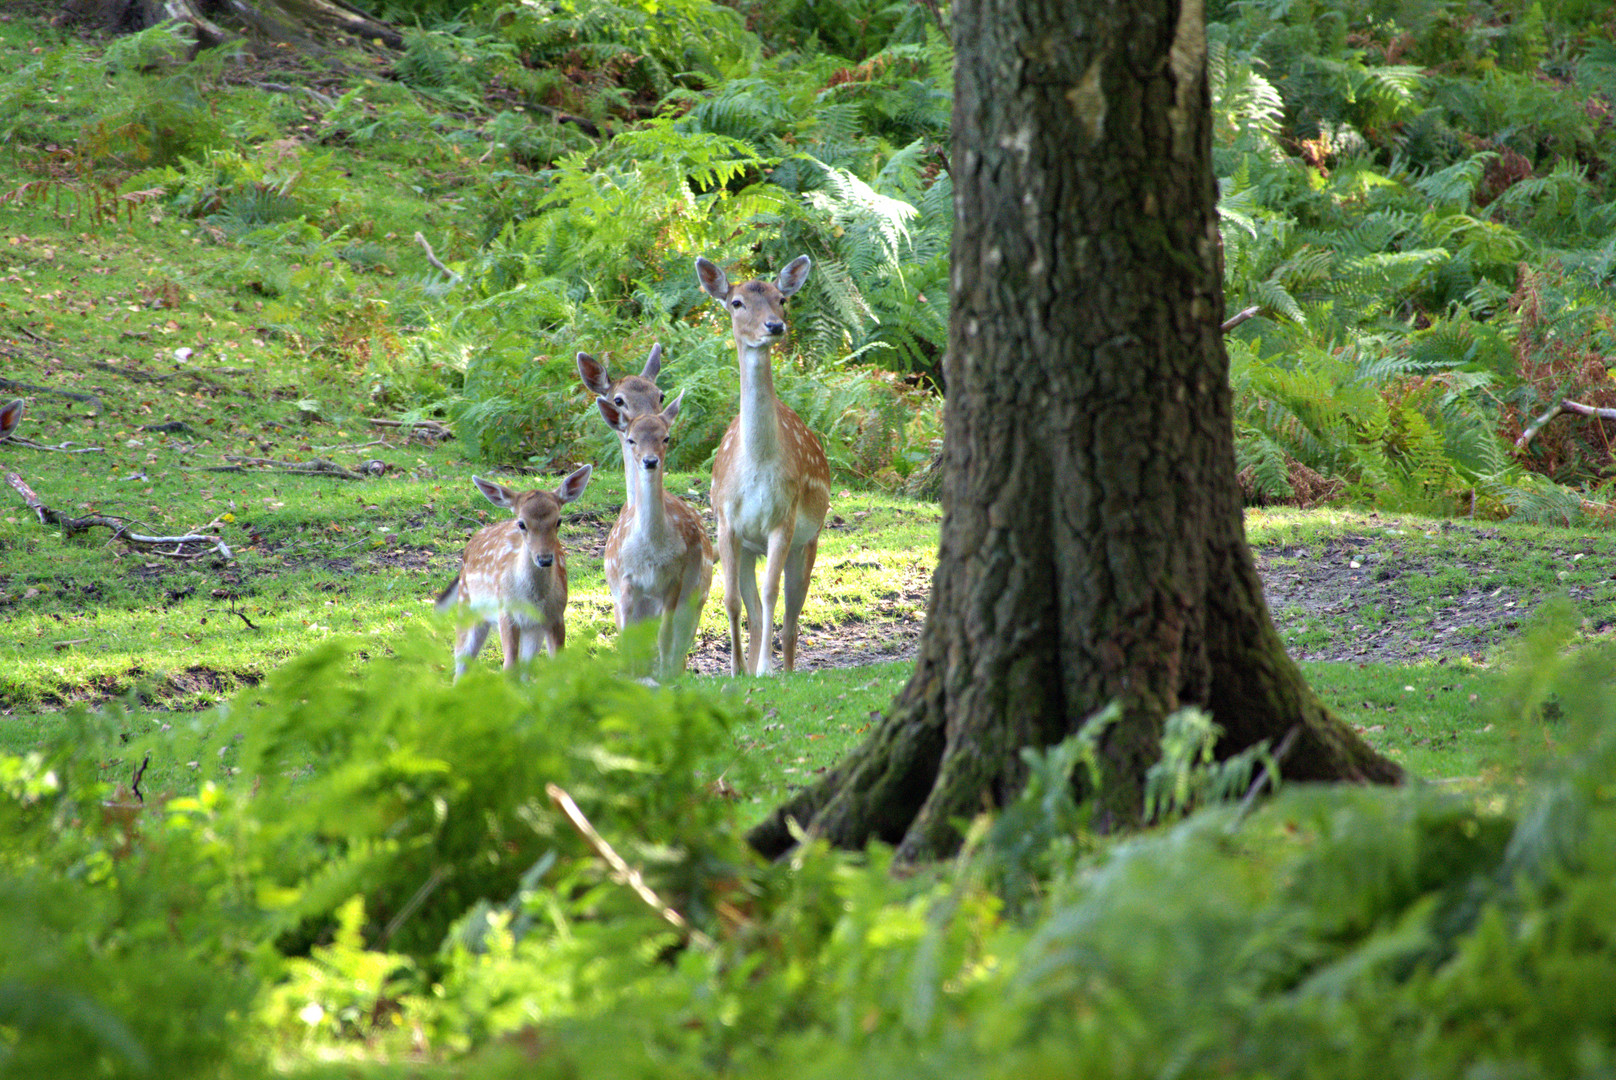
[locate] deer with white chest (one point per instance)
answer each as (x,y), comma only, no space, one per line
(513,574)
(771,481)
(631,395)
(659,562)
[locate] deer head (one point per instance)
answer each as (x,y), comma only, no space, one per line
(636,394)
(538,513)
(756,308)
(645,437)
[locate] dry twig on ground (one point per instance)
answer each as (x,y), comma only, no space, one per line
(120,529)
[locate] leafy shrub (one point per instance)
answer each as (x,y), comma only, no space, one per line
(647,47)
(125,936)
(455,63)
(371,867)
(238,192)
(853,30)
(451,781)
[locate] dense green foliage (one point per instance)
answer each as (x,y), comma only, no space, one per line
(367,869)
(360,873)
(1419,196)
(1416,197)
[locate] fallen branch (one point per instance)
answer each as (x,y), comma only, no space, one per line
(356,446)
(1270,773)
(432,257)
(587,126)
(64,448)
(430,428)
(242,615)
(140,771)
(439,875)
(120,531)
(1235,320)
(622,872)
(89,399)
(312,467)
(1564,405)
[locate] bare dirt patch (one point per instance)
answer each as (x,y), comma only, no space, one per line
(1362,598)
(1350,598)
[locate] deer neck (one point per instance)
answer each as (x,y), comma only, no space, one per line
(760,418)
(631,473)
(650,516)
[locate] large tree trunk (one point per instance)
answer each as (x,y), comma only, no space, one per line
(1093,548)
(299,23)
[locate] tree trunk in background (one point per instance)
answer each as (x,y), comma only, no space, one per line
(1093,548)
(298,23)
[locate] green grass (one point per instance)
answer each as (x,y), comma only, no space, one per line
(268,342)
(1432,719)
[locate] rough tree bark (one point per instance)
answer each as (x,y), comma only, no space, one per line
(1093,548)
(298,23)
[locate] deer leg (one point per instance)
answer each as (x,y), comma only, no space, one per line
(467,643)
(748,587)
(510,640)
(531,638)
(729,554)
(762,658)
(799,568)
(686,619)
(555,637)
(667,634)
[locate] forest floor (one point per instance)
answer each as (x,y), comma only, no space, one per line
(1397,592)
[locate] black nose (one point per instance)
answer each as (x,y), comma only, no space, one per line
(652,462)
(545,560)
(774,328)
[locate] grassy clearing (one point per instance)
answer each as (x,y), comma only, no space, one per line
(189,349)
(86,621)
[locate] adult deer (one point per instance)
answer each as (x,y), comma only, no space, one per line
(633,395)
(771,482)
(514,573)
(659,562)
(10,417)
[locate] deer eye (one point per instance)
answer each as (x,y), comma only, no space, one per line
(736,304)
(618,401)
(521,526)
(662,397)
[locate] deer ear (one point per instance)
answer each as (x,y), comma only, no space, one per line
(714,282)
(653,363)
(672,410)
(573,486)
(496,493)
(612,414)
(794,275)
(593,373)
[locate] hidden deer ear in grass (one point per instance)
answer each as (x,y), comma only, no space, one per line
(10,417)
